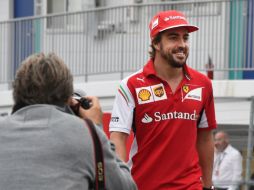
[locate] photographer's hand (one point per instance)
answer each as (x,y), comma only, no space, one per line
(94,113)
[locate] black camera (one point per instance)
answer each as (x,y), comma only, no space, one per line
(84,103)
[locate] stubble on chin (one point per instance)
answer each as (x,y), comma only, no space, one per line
(171,57)
(173,62)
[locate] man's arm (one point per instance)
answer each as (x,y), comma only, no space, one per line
(117,173)
(205,148)
(237,171)
(120,139)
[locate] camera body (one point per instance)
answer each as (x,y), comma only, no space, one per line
(84,103)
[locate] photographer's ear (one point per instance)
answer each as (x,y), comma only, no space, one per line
(69,101)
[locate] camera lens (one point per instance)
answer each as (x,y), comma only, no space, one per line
(85,103)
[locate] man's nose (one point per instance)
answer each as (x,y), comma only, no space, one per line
(182,42)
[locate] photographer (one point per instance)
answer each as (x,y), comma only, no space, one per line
(43,145)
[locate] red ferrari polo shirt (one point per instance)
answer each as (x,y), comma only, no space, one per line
(163,153)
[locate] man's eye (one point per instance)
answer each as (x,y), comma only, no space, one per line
(173,37)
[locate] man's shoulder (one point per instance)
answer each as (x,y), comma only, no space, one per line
(134,77)
(233,150)
(60,112)
(4,119)
(133,81)
(196,73)
(201,77)
(45,113)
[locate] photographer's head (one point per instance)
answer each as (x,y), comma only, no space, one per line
(42,79)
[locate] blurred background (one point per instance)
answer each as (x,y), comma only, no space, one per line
(102,41)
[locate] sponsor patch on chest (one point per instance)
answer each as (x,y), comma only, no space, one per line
(191,92)
(173,115)
(151,93)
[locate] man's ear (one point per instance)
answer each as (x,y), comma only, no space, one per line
(156,46)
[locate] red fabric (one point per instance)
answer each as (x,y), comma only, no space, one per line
(166,129)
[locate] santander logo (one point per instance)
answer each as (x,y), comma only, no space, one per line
(158,116)
(147,119)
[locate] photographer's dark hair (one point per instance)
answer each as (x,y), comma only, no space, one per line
(42,79)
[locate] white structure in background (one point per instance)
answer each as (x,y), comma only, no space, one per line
(6,9)
(235,110)
(227,112)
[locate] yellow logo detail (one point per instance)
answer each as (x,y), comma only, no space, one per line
(100,171)
(186,89)
(158,91)
(144,95)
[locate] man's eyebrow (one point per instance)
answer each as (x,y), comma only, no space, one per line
(177,34)
(173,34)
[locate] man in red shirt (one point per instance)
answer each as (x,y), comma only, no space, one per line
(170,108)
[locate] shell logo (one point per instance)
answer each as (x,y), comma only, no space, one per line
(186,89)
(144,95)
(159,92)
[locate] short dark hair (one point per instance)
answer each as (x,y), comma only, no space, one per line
(155,40)
(42,79)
